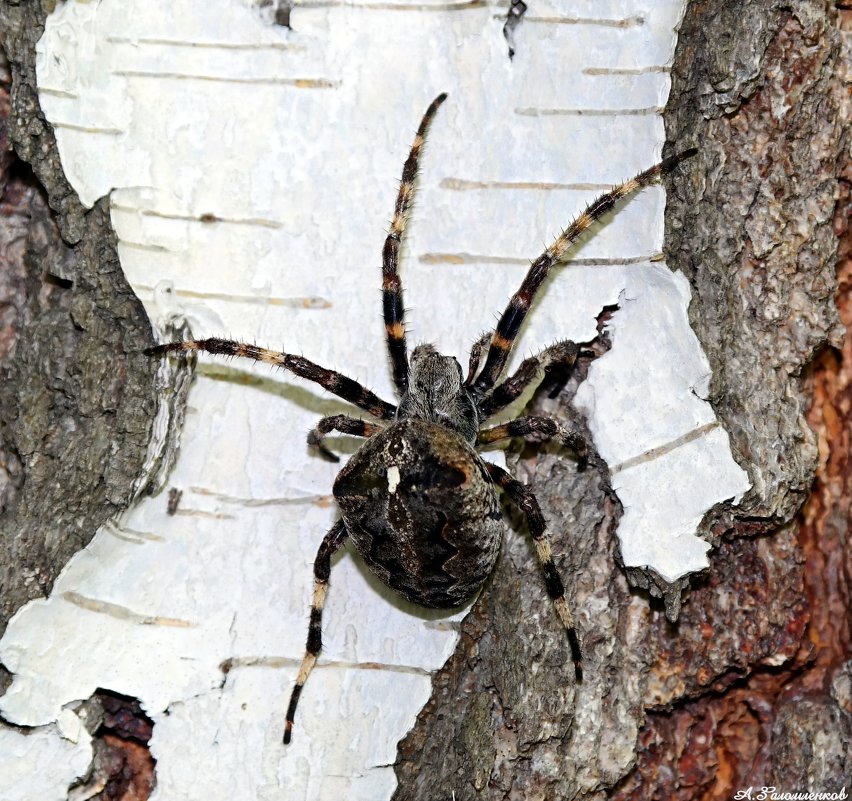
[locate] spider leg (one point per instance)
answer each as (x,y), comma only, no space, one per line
(476,357)
(524,499)
(540,429)
(322,570)
(345,425)
(561,355)
(510,323)
(394,312)
(336,383)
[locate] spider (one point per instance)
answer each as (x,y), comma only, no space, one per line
(417,500)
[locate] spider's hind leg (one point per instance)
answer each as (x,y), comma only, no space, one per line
(345,425)
(524,499)
(322,570)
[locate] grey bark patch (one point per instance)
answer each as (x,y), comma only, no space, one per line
(77,395)
(754,86)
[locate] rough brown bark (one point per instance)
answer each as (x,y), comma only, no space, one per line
(759,87)
(77,395)
(787,726)
(782,723)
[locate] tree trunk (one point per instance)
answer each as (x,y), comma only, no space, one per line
(78,396)
(751,684)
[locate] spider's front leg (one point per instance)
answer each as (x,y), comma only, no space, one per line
(345,425)
(520,303)
(322,570)
(476,357)
(524,499)
(540,429)
(392,304)
(560,356)
(336,383)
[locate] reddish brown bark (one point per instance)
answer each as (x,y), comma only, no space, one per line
(788,726)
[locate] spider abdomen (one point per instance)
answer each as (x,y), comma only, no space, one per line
(421,508)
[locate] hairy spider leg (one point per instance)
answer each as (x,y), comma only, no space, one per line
(336,383)
(510,323)
(345,425)
(322,570)
(540,429)
(476,357)
(561,355)
(391,285)
(524,499)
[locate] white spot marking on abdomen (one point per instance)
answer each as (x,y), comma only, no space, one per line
(393,479)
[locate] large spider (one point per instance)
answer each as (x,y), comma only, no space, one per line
(416,499)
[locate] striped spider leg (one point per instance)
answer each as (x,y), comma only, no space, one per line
(417,501)
(490,399)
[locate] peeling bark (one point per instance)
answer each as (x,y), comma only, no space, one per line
(123,767)
(781,716)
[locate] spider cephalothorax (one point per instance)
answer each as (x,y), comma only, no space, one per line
(417,500)
(437,393)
